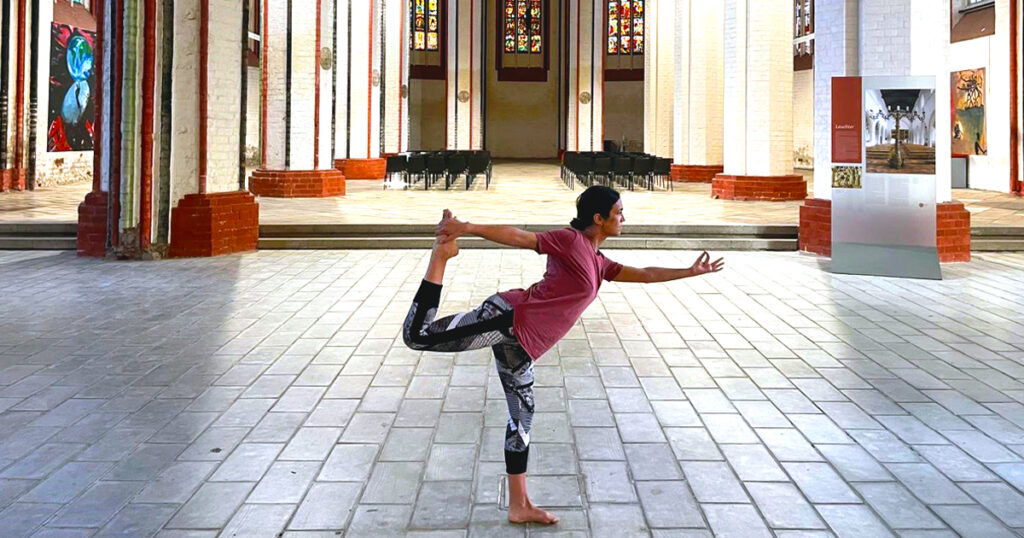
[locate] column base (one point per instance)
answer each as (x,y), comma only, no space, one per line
(204,225)
(695,173)
(297,183)
(12,179)
(765,188)
(92,225)
(952,229)
(816,227)
(362,168)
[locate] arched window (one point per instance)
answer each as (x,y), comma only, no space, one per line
(428,39)
(522,40)
(625,45)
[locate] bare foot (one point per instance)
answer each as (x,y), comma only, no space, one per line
(530,514)
(447,250)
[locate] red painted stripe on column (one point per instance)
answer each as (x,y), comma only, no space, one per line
(19,90)
(369,81)
(204,56)
(604,58)
(97,137)
(576,98)
(264,38)
(316,93)
(148,91)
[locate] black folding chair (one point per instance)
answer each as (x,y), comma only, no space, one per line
(663,171)
(602,169)
(622,167)
(642,167)
(416,167)
(396,164)
(456,167)
(436,167)
(479,163)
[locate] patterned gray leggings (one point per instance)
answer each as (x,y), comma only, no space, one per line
(490,324)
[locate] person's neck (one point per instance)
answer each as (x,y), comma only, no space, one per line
(594,235)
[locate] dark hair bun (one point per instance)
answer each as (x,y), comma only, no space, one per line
(578,224)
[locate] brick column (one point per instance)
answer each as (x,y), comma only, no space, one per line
(215,218)
(297,160)
(758,107)
(835,55)
(696,47)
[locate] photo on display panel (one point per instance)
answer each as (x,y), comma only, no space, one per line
(899,131)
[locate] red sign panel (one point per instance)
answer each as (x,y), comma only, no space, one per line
(846,119)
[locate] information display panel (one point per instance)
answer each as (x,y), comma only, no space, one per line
(883,208)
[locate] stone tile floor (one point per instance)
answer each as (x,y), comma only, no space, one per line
(523,192)
(269,393)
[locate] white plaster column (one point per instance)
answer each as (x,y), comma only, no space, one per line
(394,42)
(758,88)
(364,80)
(660,81)
(696,42)
(465,78)
(586,75)
(835,55)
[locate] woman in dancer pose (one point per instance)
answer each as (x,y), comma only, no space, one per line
(521,325)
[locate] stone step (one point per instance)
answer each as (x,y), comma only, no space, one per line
(773,231)
(40,229)
(625,242)
(997,245)
(36,242)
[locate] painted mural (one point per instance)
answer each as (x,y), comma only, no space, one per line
(72,89)
(968,88)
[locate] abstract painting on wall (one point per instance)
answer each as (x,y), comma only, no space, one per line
(968,88)
(72,89)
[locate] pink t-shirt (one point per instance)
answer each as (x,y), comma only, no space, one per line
(545,312)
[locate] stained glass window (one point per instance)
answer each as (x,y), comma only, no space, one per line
(625,27)
(425,25)
(524,27)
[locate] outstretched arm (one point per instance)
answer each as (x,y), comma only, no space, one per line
(451,228)
(702,266)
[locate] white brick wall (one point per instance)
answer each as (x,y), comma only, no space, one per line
(185,105)
(303,86)
(885,36)
(836,37)
(276,35)
(224,87)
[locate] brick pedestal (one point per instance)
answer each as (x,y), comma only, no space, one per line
(362,168)
(694,173)
(952,229)
(816,226)
(12,179)
(765,188)
(92,225)
(297,183)
(204,225)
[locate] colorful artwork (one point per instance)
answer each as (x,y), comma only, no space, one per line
(625,27)
(523,26)
(968,131)
(846,177)
(72,87)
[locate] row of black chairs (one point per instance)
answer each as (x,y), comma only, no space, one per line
(627,169)
(430,167)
